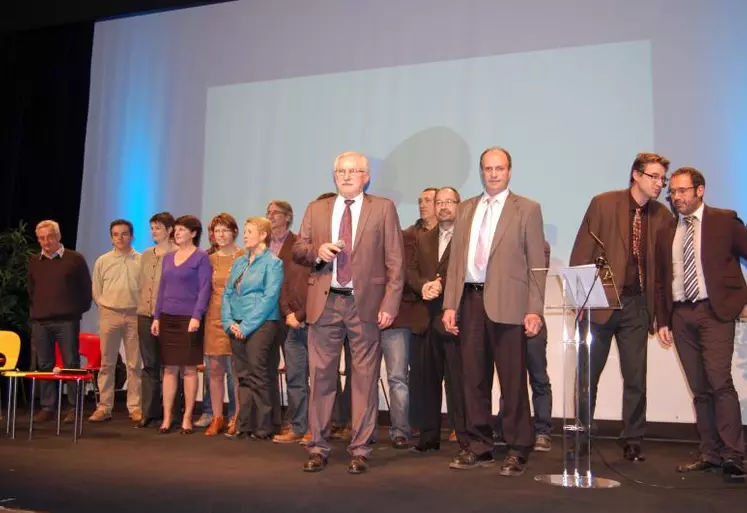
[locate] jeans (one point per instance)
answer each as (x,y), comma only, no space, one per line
(44,334)
(207,407)
(297,377)
(395,348)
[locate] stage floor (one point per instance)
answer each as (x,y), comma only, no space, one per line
(117,468)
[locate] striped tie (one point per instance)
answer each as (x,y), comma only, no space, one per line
(691,274)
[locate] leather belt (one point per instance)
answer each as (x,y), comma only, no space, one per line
(690,303)
(341,292)
(474,286)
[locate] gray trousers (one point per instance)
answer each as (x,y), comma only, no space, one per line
(326,337)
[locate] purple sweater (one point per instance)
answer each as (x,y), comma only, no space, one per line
(185,290)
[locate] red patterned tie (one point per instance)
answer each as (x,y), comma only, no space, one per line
(637,245)
(344,269)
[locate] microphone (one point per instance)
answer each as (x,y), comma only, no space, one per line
(319,263)
(601,260)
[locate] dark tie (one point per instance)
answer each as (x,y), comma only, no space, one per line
(637,246)
(344,269)
(690,272)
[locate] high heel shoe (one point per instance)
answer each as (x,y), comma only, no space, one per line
(186,431)
(164,430)
(216,427)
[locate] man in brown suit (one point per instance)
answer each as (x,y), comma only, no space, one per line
(700,291)
(498,239)
(626,223)
(439,350)
(354,291)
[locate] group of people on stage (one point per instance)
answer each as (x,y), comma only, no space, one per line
(454,296)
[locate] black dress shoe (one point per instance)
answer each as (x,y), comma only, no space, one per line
(358,465)
(400,442)
(145,423)
(513,466)
(259,437)
(467,460)
(632,452)
(733,470)
(426,447)
(699,465)
(315,463)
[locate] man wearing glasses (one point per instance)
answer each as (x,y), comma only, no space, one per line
(700,291)
(626,223)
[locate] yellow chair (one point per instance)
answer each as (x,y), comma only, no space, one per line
(10,348)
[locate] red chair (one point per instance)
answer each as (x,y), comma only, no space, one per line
(89,347)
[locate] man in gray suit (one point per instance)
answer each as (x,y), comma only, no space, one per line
(355,292)
(494,302)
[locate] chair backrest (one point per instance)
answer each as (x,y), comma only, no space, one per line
(10,346)
(89,346)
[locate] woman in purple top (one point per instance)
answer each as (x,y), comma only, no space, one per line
(183,296)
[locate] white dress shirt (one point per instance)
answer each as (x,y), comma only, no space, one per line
(678,257)
(337,211)
(474,275)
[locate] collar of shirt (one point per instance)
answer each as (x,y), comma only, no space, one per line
(500,197)
(58,253)
(279,240)
(119,254)
(341,200)
(634,204)
(698,214)
(442,232)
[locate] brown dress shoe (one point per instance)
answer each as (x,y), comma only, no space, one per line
(233,426)
(43,416)
(287,438)
(216,427)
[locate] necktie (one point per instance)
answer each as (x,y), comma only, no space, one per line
(442,243)
(483,249)
(344,269)
(690,273)
(637,229)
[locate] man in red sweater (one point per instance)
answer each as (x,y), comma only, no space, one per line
(60,293)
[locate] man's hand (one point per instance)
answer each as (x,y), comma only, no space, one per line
(328,251)
(449,320)
(235,330)
(432,289)
(291,321)
(385,320)
(532,325)
(155,327)
(665,335)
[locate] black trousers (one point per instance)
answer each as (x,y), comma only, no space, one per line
(705,346)
(439,355)
(150,352)
(253,359)
(629,326)
(479,338)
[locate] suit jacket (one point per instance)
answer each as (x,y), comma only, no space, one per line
(608,217)
(377,257)
(512,290)
(723,241)
(295,282)
(422,268)
(408,308)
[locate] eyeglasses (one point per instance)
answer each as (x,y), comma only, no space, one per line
(680,191)
(490,169)
(271,213)
(655,178)
(444,203)
(351,172)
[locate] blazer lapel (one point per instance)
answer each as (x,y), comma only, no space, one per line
(509,210)
(362,219)
(287,247)
(327,231)
(623,221)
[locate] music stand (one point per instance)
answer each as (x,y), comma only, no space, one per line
(574,292)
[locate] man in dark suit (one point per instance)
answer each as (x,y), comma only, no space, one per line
(700,291)
(439,350)
(354,292)
(293,311)
(498,239)
(626,222)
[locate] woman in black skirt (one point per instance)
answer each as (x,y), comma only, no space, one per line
(183,296)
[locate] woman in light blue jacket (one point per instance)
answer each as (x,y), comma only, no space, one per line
(250,315)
